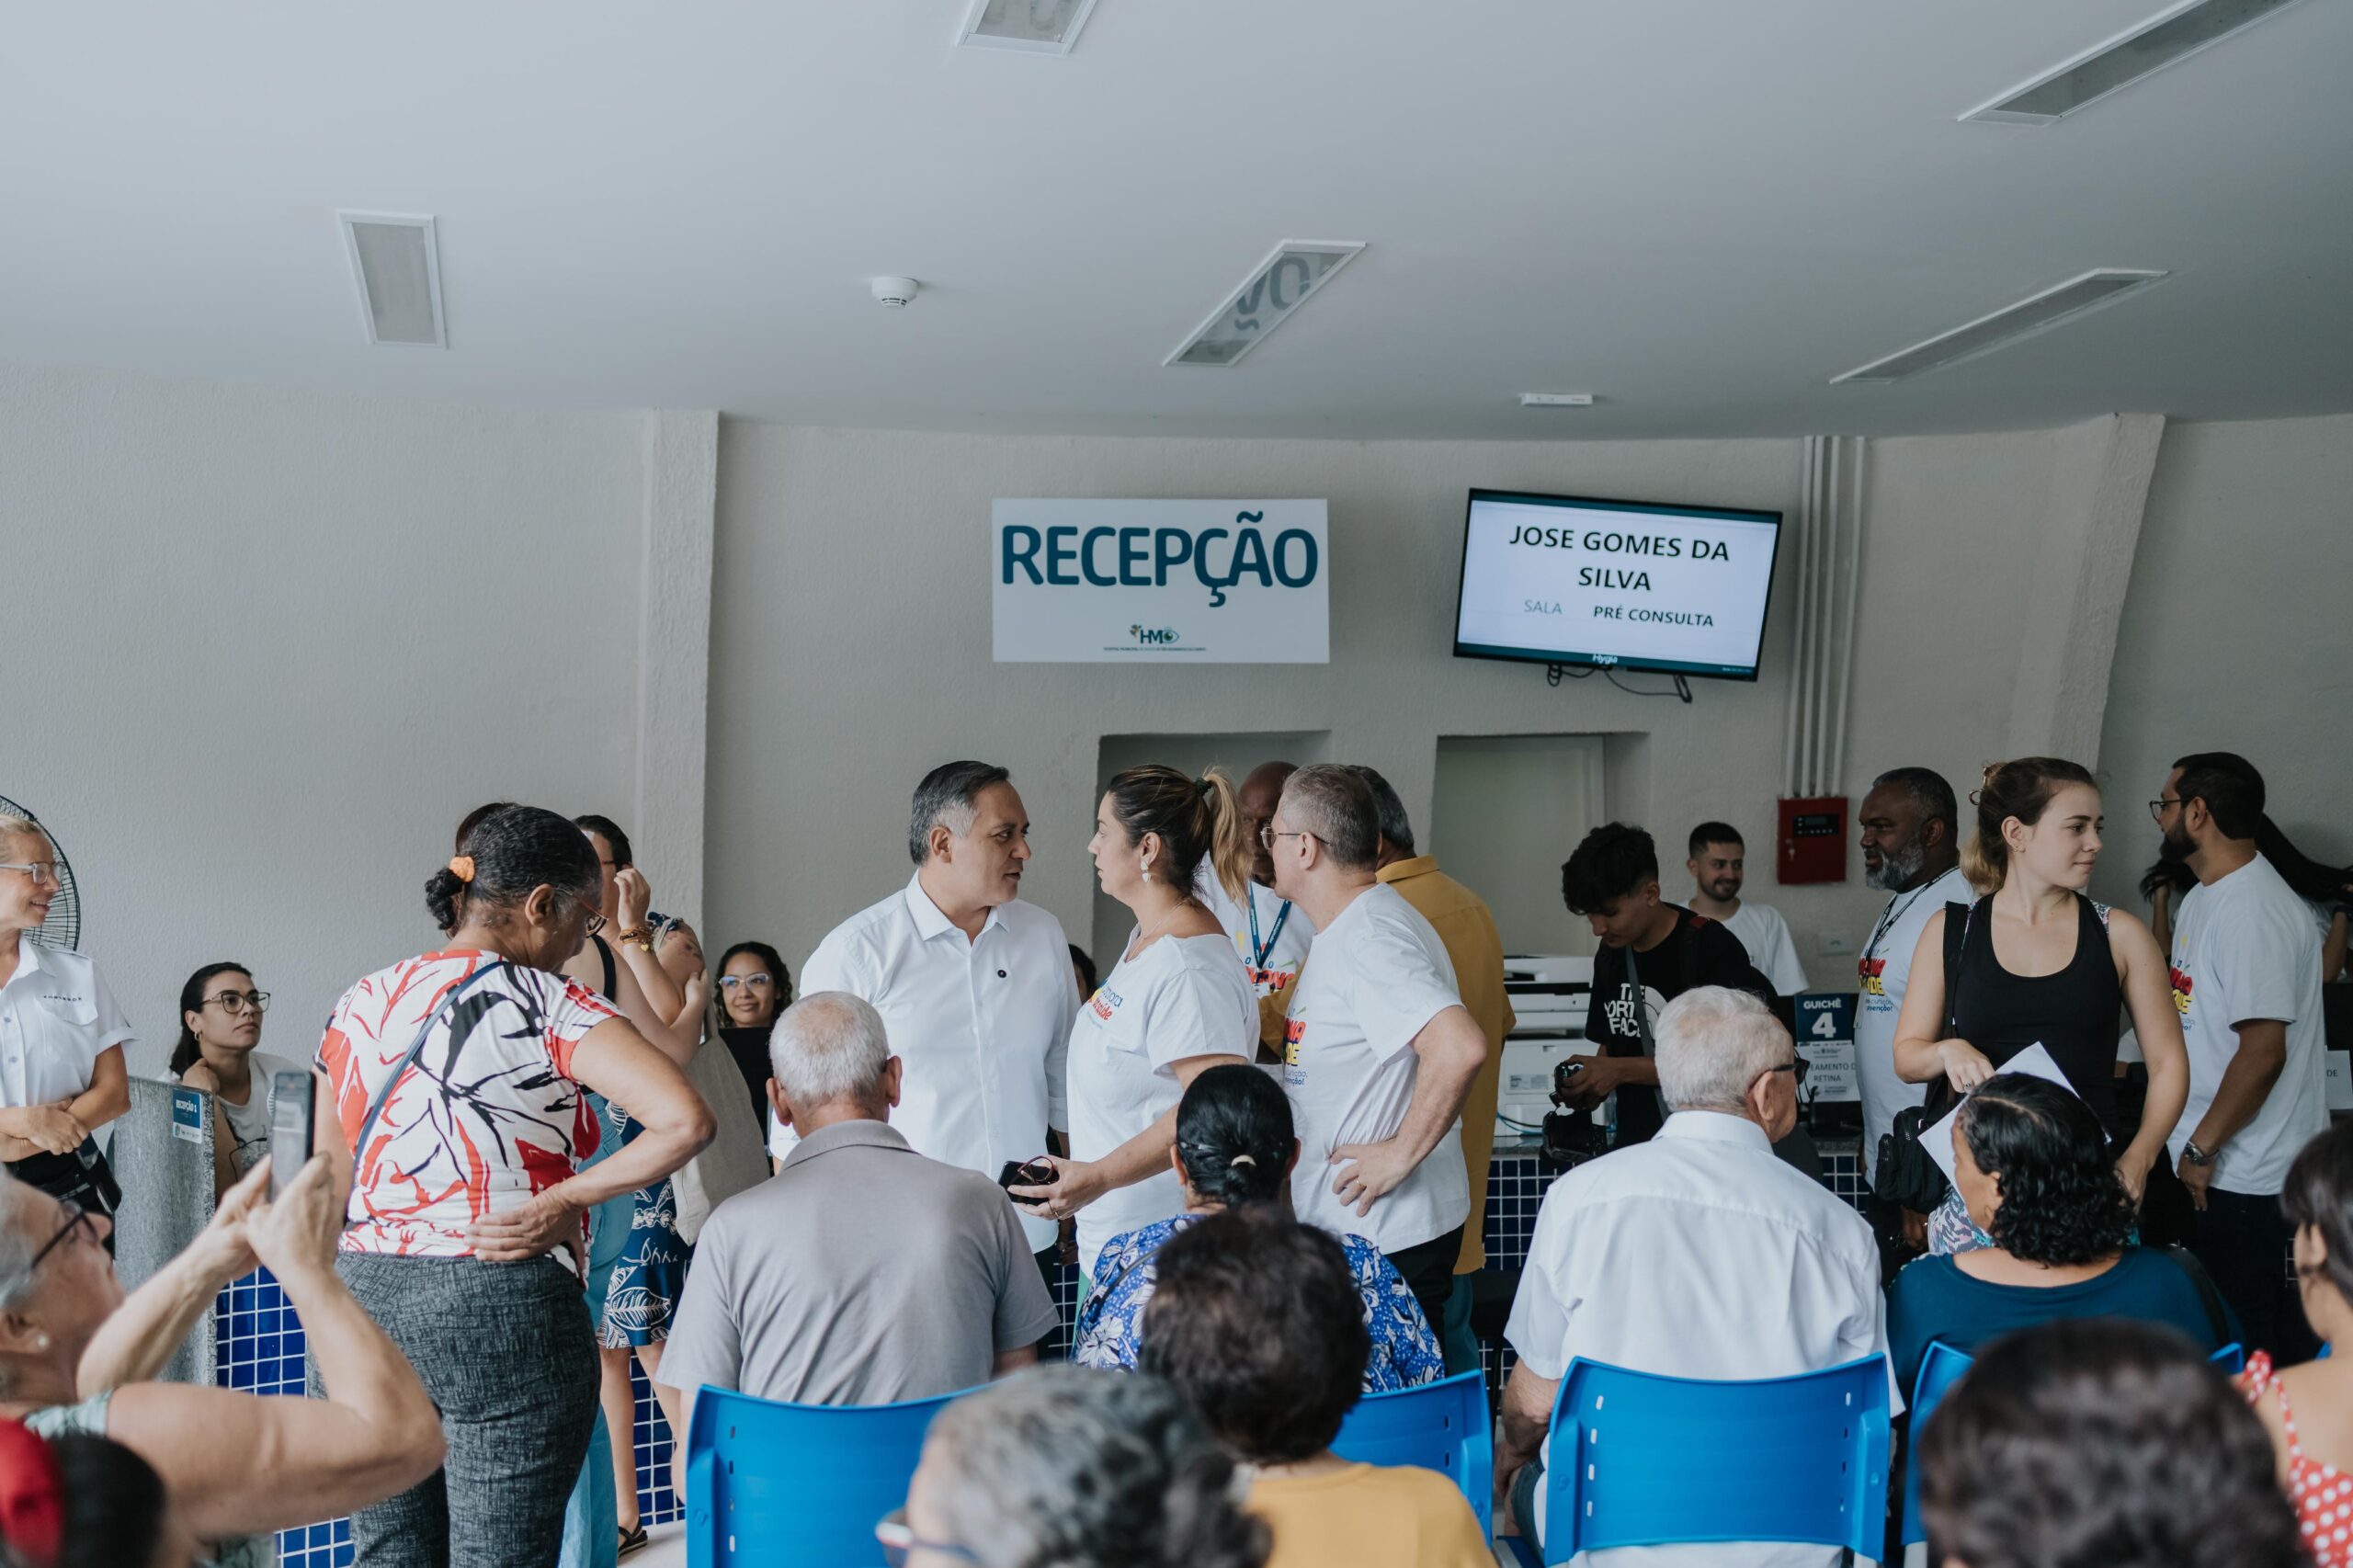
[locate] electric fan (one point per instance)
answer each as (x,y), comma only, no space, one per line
(64,928)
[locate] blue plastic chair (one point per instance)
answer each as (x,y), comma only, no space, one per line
(2231,1358)
(1939,1369)
(1441,1427)
(1646,1461)
(798,1485)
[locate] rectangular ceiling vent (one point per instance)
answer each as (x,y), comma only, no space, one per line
(2011,323)
(2170,36)
(397,265)
(1033,26)
(1275,287)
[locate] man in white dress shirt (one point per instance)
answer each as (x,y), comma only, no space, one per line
(1271,932)
(1379,1052)
(1695,1254)
(974,986)
(1719,869)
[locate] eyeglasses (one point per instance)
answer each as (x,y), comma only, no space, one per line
(1266,835)
(40,872)
(899,1541)
(1801,1067)
(2157,807)
(238,1001)
(76,1219)
(757,981)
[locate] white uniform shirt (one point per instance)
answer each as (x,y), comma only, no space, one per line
(56,1019)
(2243,947)
(979,1026)
(1883,971)
(1181,997)
(1380,974)
(1698,1255)
(1765,935)
(1283,938)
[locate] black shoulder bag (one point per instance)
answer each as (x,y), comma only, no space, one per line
(400,1070)
(1904,1173)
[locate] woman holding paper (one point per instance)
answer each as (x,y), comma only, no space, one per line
(2035,962)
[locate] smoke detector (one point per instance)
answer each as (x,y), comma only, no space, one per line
(895,293)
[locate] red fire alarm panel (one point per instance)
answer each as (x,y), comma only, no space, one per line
(1814,840)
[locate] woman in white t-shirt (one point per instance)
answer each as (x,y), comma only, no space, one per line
(1178,1003)
(221,1012)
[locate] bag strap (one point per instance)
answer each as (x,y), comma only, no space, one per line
(408,1059)
(1956,938)
(2218,1317)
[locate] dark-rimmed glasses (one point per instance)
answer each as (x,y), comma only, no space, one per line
(234,1001)
(76,1219)
(2157,807)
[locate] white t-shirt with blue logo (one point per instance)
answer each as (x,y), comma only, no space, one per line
(1179,998)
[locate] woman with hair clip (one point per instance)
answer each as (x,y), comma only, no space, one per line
(1235,1149)
(2308,1410)
(1178,1003)
(461,1077)
(218,1052)
(2032,1164)
(2035,962)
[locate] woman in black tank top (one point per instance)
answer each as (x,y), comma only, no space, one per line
(2072,965)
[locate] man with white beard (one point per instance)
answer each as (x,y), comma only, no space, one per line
(1910,849)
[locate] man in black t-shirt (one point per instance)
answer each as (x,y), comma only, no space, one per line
(1648,946)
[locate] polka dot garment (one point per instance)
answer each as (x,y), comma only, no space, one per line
(2322,1493)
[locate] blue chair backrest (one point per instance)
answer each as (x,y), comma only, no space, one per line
(2231,1358)
(799,1484)
(1640,1459)
(1441,1427)
(1939,1369)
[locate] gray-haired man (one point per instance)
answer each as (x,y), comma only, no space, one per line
(975,985)
(861,1273)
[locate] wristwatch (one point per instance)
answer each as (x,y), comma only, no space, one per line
(2196,1155)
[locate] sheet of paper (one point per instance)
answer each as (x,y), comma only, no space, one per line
(2034,1062)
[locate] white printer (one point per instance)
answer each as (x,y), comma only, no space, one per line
(1549,994)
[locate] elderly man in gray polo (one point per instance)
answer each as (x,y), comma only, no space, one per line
(862,1272)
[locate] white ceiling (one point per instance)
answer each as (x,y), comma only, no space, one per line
(1699,210)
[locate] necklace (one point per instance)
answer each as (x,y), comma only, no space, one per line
(1144,939)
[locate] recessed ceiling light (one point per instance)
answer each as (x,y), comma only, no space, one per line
(1556,400)
(1034,26)
(397,265)
(1275,288)
(2011,323)
(2170,36)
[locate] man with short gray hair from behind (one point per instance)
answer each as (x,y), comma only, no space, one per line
(1696,1254)
(861,1273)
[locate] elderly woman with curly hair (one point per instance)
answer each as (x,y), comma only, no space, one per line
(2033,1166)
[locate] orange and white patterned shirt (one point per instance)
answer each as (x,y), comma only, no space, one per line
(487,1117)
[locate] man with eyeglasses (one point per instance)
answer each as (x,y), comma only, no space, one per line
(1379,1052)
(2245,967)
(62,1070)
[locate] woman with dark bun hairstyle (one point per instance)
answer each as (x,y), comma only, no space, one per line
(2101,1445)
(2035,963)
(2033,1167)
(460,1079)
(1235,1149)
(1178,1003)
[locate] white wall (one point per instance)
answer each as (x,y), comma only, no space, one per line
(2239,631)
(264,649)
(850,644)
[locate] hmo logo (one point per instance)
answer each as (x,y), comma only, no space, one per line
(1153,636)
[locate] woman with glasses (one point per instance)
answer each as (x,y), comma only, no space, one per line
(61,1073)
(754,987)
(77,1357)
(221,1013)
(460,1079)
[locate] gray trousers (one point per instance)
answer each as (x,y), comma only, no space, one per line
(505,1350)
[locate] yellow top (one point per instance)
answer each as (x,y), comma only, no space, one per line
(1468,930)
(1360,1516)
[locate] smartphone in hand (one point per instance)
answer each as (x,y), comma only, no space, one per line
(291,1095)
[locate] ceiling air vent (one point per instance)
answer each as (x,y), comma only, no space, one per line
(1035,26)
(398,269)
(1275,287)
(2171,36)
(2011,323)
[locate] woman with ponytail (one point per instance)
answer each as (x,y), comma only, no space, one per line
(2033,961)
(1234,1150)
(1176,1004)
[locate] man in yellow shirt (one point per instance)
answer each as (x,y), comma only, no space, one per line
(1464,924)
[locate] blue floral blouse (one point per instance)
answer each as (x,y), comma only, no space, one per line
(1110,1325)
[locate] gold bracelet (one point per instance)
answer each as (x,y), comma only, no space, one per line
(642,936)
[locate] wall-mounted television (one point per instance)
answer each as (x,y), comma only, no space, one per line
(1622,584)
